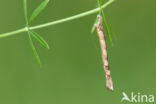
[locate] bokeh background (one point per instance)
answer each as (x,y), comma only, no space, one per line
(72,71)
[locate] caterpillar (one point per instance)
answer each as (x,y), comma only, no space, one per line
(102,40)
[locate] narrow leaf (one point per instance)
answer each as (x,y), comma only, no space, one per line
(39,39)
(25,11)
(107,29)
(33,49)
(93,27)
(38,10)
(111,30)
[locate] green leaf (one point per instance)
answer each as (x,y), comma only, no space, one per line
(33,49)
(105,23)
(38,10)
(93,27)
(111,30)
(25,11)
(107,28)
(39,39)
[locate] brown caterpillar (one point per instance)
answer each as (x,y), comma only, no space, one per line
(102,40)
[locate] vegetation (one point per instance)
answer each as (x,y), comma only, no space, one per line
(33,35)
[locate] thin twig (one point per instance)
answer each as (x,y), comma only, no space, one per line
(57,21)
(100,32)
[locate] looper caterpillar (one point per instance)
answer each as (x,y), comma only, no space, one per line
(101,35)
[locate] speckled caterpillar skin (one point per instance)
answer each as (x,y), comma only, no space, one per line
(100,32)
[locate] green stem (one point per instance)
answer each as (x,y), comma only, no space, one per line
(25,12)
(13,33)
(57,21)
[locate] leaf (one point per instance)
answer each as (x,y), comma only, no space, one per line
(105,23)
(38,10)
(33,49)
(39,39)
(107,29)
(111,30)
(93,27)
(25,11)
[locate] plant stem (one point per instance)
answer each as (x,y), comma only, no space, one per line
(25,12)
(13,33)
(57,21)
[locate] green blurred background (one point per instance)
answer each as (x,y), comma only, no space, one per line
(72,71)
